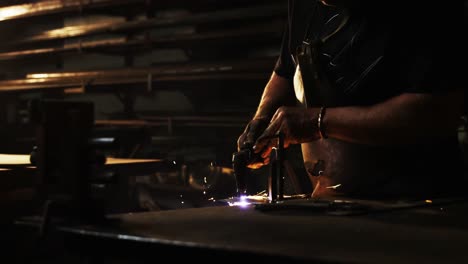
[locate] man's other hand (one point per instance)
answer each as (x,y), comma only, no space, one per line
(297,124)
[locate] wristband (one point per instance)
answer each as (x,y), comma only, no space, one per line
(320,118)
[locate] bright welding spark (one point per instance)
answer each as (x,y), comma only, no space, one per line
(242,202)
(334,187)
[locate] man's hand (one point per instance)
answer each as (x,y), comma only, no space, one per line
(297,124)
(251,133)
(278,91)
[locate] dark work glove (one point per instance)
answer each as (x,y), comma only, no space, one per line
(247,140)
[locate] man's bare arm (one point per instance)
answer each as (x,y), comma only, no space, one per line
(278,92)
(404,119)
(408,118)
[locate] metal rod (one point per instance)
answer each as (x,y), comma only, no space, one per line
(182,40)
(50,7)
(280,164)
(256,12)
(235,70)
(276,177)
(273,177)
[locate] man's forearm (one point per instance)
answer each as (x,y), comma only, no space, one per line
(278,92)
(405,119)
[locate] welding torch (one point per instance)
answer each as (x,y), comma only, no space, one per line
(240,162)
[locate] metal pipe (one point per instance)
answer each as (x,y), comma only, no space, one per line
(276,177)
(257,12)
(49,7)
(254,70)
(247,35)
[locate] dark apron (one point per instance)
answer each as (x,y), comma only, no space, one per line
(322,158)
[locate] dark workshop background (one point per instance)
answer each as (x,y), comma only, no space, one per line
(178,78)
(173,80)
